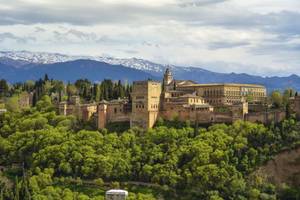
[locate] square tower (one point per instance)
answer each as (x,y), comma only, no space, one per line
(146,99)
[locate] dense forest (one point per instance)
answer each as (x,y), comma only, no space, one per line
(60,91)
(47,156)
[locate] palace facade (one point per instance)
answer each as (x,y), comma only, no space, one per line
(183,100)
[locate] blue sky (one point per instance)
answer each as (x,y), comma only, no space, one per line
(255,36)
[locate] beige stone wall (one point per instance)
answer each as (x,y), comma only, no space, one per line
(25,100)
(68,109)
(222,118)
(266,117)
(202,117)
(117,113)
(257,117)
(239,111)
(171,114)
(83,112)
(218,117)
(295,105)
(257,107)
(112,112)
(88,111)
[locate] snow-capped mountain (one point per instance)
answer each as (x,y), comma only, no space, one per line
(50,58)
(136,63)
(24,65)
(36,57)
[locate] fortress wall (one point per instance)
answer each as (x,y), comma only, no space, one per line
(221,117)
(193,116)
(116,113)
(108,113)
(266,117)
(256,117)
(296,106)
(88,111)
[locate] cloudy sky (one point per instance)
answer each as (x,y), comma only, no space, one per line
(254,36)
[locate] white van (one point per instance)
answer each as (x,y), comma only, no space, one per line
(116,195)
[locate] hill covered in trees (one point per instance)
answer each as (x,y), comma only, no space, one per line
(46,156)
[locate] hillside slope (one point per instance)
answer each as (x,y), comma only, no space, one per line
(284,168)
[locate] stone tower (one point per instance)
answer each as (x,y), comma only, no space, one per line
(102,115)
(168,78)
(145,103)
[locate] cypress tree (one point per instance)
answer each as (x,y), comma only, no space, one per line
(17,190)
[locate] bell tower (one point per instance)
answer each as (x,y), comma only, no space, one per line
(168,78)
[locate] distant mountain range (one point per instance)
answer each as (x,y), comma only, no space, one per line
(71,71)
(24,65)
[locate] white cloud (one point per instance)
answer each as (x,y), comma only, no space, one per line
(259,37)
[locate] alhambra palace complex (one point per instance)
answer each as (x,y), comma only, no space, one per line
(182,100)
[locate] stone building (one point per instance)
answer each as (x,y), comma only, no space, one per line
(185,100)
(88,111)
(25,100)
(146,103)
(74,107)
(182,100)
(227,94)
(113,111)
(185,107)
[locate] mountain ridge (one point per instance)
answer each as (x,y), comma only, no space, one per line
(24,61)
(71,71)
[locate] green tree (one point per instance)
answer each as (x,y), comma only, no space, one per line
(71,90)
(29,86)
(45,104)
(276,99)
(59,87)
(3,88)
(12,104)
